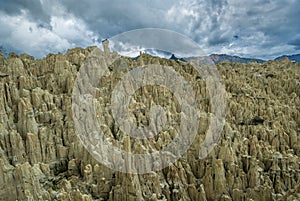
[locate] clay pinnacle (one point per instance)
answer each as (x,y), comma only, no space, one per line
(105,46)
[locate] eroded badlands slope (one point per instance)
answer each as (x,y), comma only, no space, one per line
(41,157)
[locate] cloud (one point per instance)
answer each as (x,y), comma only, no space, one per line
(265,28)
(22,34)
(34,8)
(159,39)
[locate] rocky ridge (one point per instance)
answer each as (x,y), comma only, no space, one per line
(42,158)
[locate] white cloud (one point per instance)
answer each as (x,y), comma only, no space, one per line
(23,35)
(26,36)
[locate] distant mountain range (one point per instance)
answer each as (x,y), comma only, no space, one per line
(173,57)
(295,57)
(218,58)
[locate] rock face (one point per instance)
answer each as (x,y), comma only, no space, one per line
(41,157)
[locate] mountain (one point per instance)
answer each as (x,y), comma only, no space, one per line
(215,58)
(218,58)
(173,57)
(295,57)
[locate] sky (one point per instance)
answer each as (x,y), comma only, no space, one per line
(257,29)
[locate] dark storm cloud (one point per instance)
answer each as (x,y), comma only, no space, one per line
(34,8)
(265,28)
(295,41)
(110,18)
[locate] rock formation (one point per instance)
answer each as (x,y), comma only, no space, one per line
(41,157)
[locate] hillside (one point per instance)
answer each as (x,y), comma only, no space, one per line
(295,57)
(257,157)
(219,58)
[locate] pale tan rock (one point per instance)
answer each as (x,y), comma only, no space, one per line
(219,178)
(26,120)
(41,156)
(33,148)
(7,181)
(18,152)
